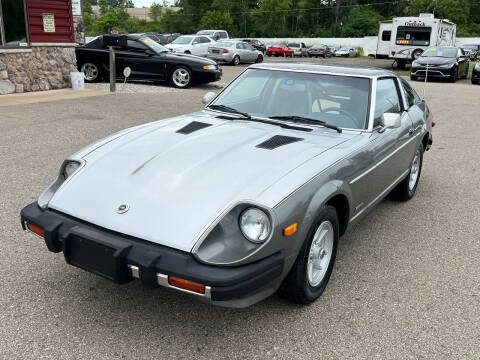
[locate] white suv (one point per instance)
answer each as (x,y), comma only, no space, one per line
(215,34)
(191,44)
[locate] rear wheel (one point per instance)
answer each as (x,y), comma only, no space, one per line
(454,76)
(309,275)
(416,54)
(91,72)
(181,77)
(413,77)
(187,52)
(259,59)
(236,60)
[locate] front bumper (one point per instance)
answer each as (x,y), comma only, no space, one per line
(122,258)
(476,76)
(204,76)
(434,72)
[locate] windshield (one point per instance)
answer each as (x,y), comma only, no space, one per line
(344,49)
(152,44)
(206,32)
(277,45)
(408,35)
(224,44)
(440,52)
(182,40)
(293,45)
(474,47)
(338,100)
(318,46)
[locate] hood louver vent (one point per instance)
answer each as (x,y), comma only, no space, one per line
(277,141)
(192,127)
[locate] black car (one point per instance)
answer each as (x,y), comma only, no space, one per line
(257,44)
(147,60)
(444,62)
(476,74)
(320,50)
(162,39)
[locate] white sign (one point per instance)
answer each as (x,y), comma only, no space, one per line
(76,8)
(48,22)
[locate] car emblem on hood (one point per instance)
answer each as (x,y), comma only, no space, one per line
(122,208)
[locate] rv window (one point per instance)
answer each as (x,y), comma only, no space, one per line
(408,35)
(386,35)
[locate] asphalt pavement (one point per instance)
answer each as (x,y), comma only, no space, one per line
(405,285)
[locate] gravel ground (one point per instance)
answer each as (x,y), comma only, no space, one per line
(405,285)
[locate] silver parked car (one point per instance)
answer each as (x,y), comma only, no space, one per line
(249,195)
(346,52)
(299,49)
(234,52)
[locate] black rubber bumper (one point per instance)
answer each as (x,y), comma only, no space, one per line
(204,76)
(107,253)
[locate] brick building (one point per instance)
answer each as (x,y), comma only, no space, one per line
(37,43)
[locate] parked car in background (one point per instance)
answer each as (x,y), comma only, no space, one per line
(346,52)
(472,51)
(444,62)
(234,52)
(147,60)
(319,50)
(214,34)
(257,44)
(162,39)
(476,74)
(191,44)
(246,197)
(279,50)
(299,49)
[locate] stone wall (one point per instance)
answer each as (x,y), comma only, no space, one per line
(79,28)
(38,68)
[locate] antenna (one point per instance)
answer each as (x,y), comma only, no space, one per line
(425,83)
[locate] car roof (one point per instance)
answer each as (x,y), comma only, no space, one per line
(364,71)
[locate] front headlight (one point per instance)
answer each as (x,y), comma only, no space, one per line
(69,167)
(477,67)
(255,225)
(209,67)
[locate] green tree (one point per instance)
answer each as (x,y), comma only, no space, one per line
(270,17)
(361,21)
(106,23)
(156,10)
(215,19)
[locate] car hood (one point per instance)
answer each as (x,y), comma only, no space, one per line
(175,184)
(435,60)
(177,47)
(190,58)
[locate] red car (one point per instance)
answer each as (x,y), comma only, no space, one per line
(279,50)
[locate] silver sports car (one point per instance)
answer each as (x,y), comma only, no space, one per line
(247,196)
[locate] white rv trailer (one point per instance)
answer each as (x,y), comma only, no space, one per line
(412,35)
(384,39)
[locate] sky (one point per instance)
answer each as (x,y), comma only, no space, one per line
(147,3)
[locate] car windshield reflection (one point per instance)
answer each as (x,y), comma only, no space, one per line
(337,100)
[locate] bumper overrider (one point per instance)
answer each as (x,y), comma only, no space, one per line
(121,258)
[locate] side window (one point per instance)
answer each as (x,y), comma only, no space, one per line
(204,40)
(223,35)
(239,46)
(197,40)
(386,35)
(386,100)
(410,94)
(136,46)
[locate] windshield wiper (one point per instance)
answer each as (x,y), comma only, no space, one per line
(306,120)
(231,110)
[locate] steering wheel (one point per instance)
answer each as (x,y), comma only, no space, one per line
(340,111)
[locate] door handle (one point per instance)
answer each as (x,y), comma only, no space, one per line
(411,131)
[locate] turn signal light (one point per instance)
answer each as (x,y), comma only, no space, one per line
(290,230)
(36,230)
(434,123)
(226,51)
(186,284)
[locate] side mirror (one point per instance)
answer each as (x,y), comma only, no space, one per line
(195,43)
(390,121)
(208,97)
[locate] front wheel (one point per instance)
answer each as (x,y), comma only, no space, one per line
(259,59)
(413,77)
(181,77)
(454,76)
(91,72)
(236,60)
(309,275)
(406,189)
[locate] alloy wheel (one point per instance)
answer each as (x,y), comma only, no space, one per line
(320,253)
(90,71)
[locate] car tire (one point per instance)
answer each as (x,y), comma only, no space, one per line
(454,76)
(413,77)
(313,267)
(407,188)
(259,59)
(236,60)
(91,72)
(401,64)
(187,52)
(181,77)
(416,54)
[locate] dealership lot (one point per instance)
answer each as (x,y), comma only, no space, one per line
(405,284)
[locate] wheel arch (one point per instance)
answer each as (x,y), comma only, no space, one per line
(425,140)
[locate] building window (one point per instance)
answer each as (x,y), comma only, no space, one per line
(13,31)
